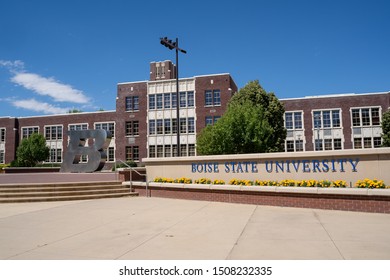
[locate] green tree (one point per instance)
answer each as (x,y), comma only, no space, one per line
(386,129)
(32,150)
(253,123)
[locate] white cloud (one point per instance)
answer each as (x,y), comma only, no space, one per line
(16,65)
(49,87)
(34,105)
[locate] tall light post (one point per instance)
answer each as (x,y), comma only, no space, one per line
(175,45)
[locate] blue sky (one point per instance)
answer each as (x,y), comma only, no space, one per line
(59,55)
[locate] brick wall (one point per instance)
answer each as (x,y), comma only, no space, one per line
(344,102)
(360,203)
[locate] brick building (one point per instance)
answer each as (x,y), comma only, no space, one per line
(144,122)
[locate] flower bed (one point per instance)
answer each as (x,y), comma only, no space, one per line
(371,184)
(366,183)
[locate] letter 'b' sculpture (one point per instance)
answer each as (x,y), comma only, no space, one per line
(96,155)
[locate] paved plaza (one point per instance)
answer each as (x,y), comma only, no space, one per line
(157,228)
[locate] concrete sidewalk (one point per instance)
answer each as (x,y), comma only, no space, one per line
(156,228)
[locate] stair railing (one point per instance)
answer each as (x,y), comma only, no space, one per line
(131,175)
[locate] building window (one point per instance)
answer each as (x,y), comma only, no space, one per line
(191,125)
(132,103)
(167,151)
(366,132)
(28,131)
(208,98)
(211,120)
(183,150)
(2,135)
(183,101)
(327,130)
(217,97)
(159,124)
(318,144)
(132,128)
(213,97)
(174,126)
(53,132)
(111,154)
(294,146)
(55,155)
(191,150)
(367,142)
(298,120)
(336,118)
(170,150)
(167,126)
(152,127)
(190,99)
(288,120)
(357,143)
(159,101)
(160,151)
(377,142)
(326,119)
(293,120)
(366,117)
(294,125)
(152,102)
(167,100)
(174,100)
(375,118)
(109,126)
(183,125)
(82,126)
(337,144)
(2,156)
(328,144)
(290,146)
(152,151)
(132,153)
(299,145)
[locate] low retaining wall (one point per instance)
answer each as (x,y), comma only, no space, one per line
(348,199)
(13,170)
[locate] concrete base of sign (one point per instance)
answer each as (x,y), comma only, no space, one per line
(347,165)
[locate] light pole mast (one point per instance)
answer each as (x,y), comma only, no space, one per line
(175,45)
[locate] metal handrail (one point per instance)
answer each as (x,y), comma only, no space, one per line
(131,176)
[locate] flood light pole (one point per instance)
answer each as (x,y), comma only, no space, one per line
(175,45)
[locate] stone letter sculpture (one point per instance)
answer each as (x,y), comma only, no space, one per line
(96,153)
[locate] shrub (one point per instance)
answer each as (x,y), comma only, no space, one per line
(123,165)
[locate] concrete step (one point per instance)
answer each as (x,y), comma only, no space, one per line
(62,191)
(65,198)
(51,185)
(31,189)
